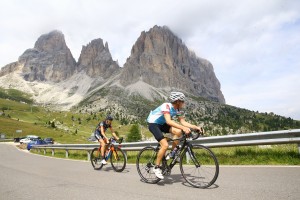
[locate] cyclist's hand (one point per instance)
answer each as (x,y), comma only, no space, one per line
(106,140)
(200,130)
(186,130)
(120,140)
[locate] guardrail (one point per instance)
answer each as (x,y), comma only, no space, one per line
(247,139)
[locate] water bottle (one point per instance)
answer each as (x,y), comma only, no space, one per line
(108,155)
(173,153)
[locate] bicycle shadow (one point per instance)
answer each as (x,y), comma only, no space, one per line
(109,169)
(177,178)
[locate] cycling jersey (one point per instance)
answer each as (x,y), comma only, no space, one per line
(104,124)
(157,115)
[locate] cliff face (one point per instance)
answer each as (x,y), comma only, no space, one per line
(95,59)
(49,60)
(160,59)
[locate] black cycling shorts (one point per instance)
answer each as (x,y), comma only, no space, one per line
(157,130)
(98,135)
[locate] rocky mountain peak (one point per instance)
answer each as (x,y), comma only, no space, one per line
(49,60)
(53,41)
(159,58)
(95,59)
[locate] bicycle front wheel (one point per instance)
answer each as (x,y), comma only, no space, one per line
(145,163)
(118,159)
(199,167)
(96,158)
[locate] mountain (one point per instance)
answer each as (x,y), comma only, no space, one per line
(159,63)
(49,60)
(159,58)
(95,59)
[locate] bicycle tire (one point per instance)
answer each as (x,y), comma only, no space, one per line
(204,175)
(118,159)
(145,163)
(96,159)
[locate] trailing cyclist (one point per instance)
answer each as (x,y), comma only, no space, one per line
(101,136)
(161,121)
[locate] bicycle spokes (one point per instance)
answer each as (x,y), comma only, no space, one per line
(199,175)
(96,159)
(118,160)
(145,164)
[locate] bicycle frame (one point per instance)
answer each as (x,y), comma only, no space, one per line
(111,150)
(166,168)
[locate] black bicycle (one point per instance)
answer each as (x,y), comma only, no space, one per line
(114,153)
(198,164)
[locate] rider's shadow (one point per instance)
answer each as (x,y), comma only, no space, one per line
(169,180)
(109,169)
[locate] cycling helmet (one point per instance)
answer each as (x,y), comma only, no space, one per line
(109,117)
(177,96)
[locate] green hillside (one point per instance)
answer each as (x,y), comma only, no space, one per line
(64,127)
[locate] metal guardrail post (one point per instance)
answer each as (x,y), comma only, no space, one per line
(67,153)
(52,152)
(299,148)
(89,155)
(44,151)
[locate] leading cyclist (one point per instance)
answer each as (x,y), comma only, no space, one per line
(161,121)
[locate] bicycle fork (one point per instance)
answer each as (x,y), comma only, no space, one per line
(192,156)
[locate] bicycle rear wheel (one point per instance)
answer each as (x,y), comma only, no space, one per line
(118,159)
(145,163)
(96,159)
(200,167)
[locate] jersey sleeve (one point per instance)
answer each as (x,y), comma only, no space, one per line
(165,108)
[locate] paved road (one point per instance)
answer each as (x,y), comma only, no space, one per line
(27,176)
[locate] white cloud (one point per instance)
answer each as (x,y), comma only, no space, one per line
(253,45)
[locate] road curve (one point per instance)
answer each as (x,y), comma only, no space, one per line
(28,176)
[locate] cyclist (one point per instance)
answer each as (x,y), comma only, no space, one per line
(161,121)
(101,136)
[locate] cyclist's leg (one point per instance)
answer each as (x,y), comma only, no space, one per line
(103,149)
(176,134)
(162,151)
(98,137)
(156,130)
(102,143)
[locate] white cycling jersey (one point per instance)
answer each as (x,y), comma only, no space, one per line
(157,115)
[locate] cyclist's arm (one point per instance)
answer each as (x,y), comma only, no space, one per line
(103,132)
(172,123)
(186,124)
(114,134)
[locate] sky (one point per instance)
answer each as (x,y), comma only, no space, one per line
(254,46)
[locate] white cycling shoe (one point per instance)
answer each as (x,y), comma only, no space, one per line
(103,162)
(158,173)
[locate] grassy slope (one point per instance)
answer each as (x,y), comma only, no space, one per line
(70,127)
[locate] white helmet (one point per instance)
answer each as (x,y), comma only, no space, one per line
(176,96)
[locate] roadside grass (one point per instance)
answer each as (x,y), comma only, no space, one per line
(286,154)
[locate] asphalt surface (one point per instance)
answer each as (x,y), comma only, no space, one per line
(28,176)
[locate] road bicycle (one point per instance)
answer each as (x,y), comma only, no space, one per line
(114,153)
(198,164)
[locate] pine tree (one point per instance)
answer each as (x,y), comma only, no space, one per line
(134,134)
